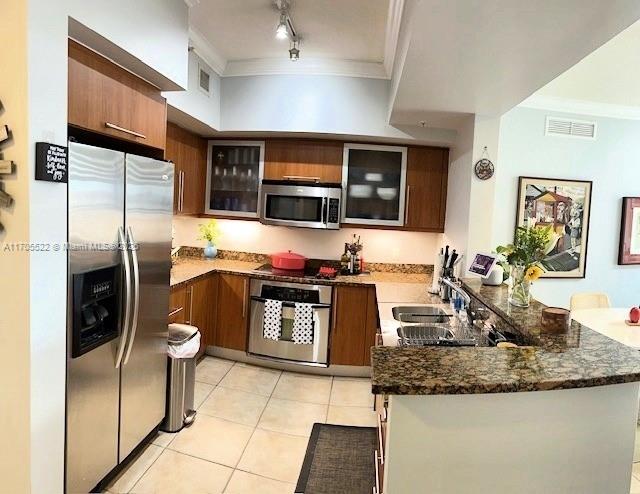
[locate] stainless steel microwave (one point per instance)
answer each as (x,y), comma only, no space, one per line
(304,204)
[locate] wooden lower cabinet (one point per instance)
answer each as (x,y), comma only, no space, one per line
(354,325)
(202,310)
(232,312)
(178,304)
(194,303)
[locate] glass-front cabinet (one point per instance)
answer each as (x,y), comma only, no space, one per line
(234,173)
(373,183)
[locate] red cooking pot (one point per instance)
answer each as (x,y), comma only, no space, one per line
(288,260)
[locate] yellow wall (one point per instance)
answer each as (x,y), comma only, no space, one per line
(14,266)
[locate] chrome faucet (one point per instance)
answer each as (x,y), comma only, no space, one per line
(457,288)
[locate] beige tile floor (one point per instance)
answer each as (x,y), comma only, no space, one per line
(250,434)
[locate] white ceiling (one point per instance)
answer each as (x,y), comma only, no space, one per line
(609,75)
(330,29)
(486,56)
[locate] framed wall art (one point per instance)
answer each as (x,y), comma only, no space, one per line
(629,250)
(564,205)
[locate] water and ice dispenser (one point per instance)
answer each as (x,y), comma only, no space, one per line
(96,309)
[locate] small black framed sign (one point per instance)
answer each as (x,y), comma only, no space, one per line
(51,162)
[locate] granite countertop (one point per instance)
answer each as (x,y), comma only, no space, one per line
(188,269)
(578,358)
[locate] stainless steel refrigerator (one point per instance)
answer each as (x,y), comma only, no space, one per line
(120,208)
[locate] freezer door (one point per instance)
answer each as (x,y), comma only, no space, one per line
(96,211)
(148,214)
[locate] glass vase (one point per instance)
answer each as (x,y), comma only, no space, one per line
(210,251)
(519,287)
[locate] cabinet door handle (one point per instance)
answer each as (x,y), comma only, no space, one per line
(175,311)
(334,316)
(181,197)
(375,459)
(406,204)
(380,441)
(187,319)
(301,178)
(244,298)
(109,125)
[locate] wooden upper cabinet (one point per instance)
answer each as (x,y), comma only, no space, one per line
(188,152)
(354,325)
(107,99)
(426,193)
(303,159)
(232,312)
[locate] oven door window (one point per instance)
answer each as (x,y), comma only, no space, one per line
(288,315)
(294,208)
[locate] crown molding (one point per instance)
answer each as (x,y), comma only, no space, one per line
(207,51)
(305,66)
(392,33)
(581,107)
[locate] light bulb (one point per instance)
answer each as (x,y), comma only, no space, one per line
(281,31)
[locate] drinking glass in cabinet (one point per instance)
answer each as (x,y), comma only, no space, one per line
(234,172)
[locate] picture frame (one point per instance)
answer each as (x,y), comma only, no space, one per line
(629,249)
(565,205)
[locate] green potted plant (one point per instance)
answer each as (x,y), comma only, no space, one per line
(210,232)
(530,246)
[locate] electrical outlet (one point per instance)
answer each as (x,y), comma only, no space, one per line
(6,167)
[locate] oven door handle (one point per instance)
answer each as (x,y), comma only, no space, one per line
(291,304)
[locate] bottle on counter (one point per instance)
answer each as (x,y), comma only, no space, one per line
(344,261)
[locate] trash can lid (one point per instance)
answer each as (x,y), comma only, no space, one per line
(181,333)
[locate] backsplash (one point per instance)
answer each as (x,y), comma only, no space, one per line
(378,267)
(380,246)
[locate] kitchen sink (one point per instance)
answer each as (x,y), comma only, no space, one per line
(419,314)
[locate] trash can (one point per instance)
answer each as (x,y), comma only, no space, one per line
(184,343)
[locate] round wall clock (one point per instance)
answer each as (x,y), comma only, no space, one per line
(484,169)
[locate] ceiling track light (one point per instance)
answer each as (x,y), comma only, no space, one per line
(285,29)
(294,51)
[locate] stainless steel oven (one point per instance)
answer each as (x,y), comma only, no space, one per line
(284,348)
(305,204)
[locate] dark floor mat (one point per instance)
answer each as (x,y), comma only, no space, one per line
(339,460)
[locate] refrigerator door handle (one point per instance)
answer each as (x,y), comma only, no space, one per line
(122,245)
(136,293)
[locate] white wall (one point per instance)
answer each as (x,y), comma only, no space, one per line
(153,31)
(456,229)
(194,101)
(315,104)
(14,290)
(252,236)
(610,161)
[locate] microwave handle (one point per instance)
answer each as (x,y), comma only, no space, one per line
(324,218)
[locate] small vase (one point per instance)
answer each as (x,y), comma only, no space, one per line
(519,287)
(210,251)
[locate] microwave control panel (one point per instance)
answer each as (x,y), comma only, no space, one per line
(334,211)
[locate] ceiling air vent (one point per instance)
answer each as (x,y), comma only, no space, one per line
(204,80)
(570,128)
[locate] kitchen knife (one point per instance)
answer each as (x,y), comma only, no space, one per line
(454,256)
(446,256)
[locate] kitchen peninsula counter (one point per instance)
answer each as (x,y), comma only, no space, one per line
(555,415)
(579,358)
